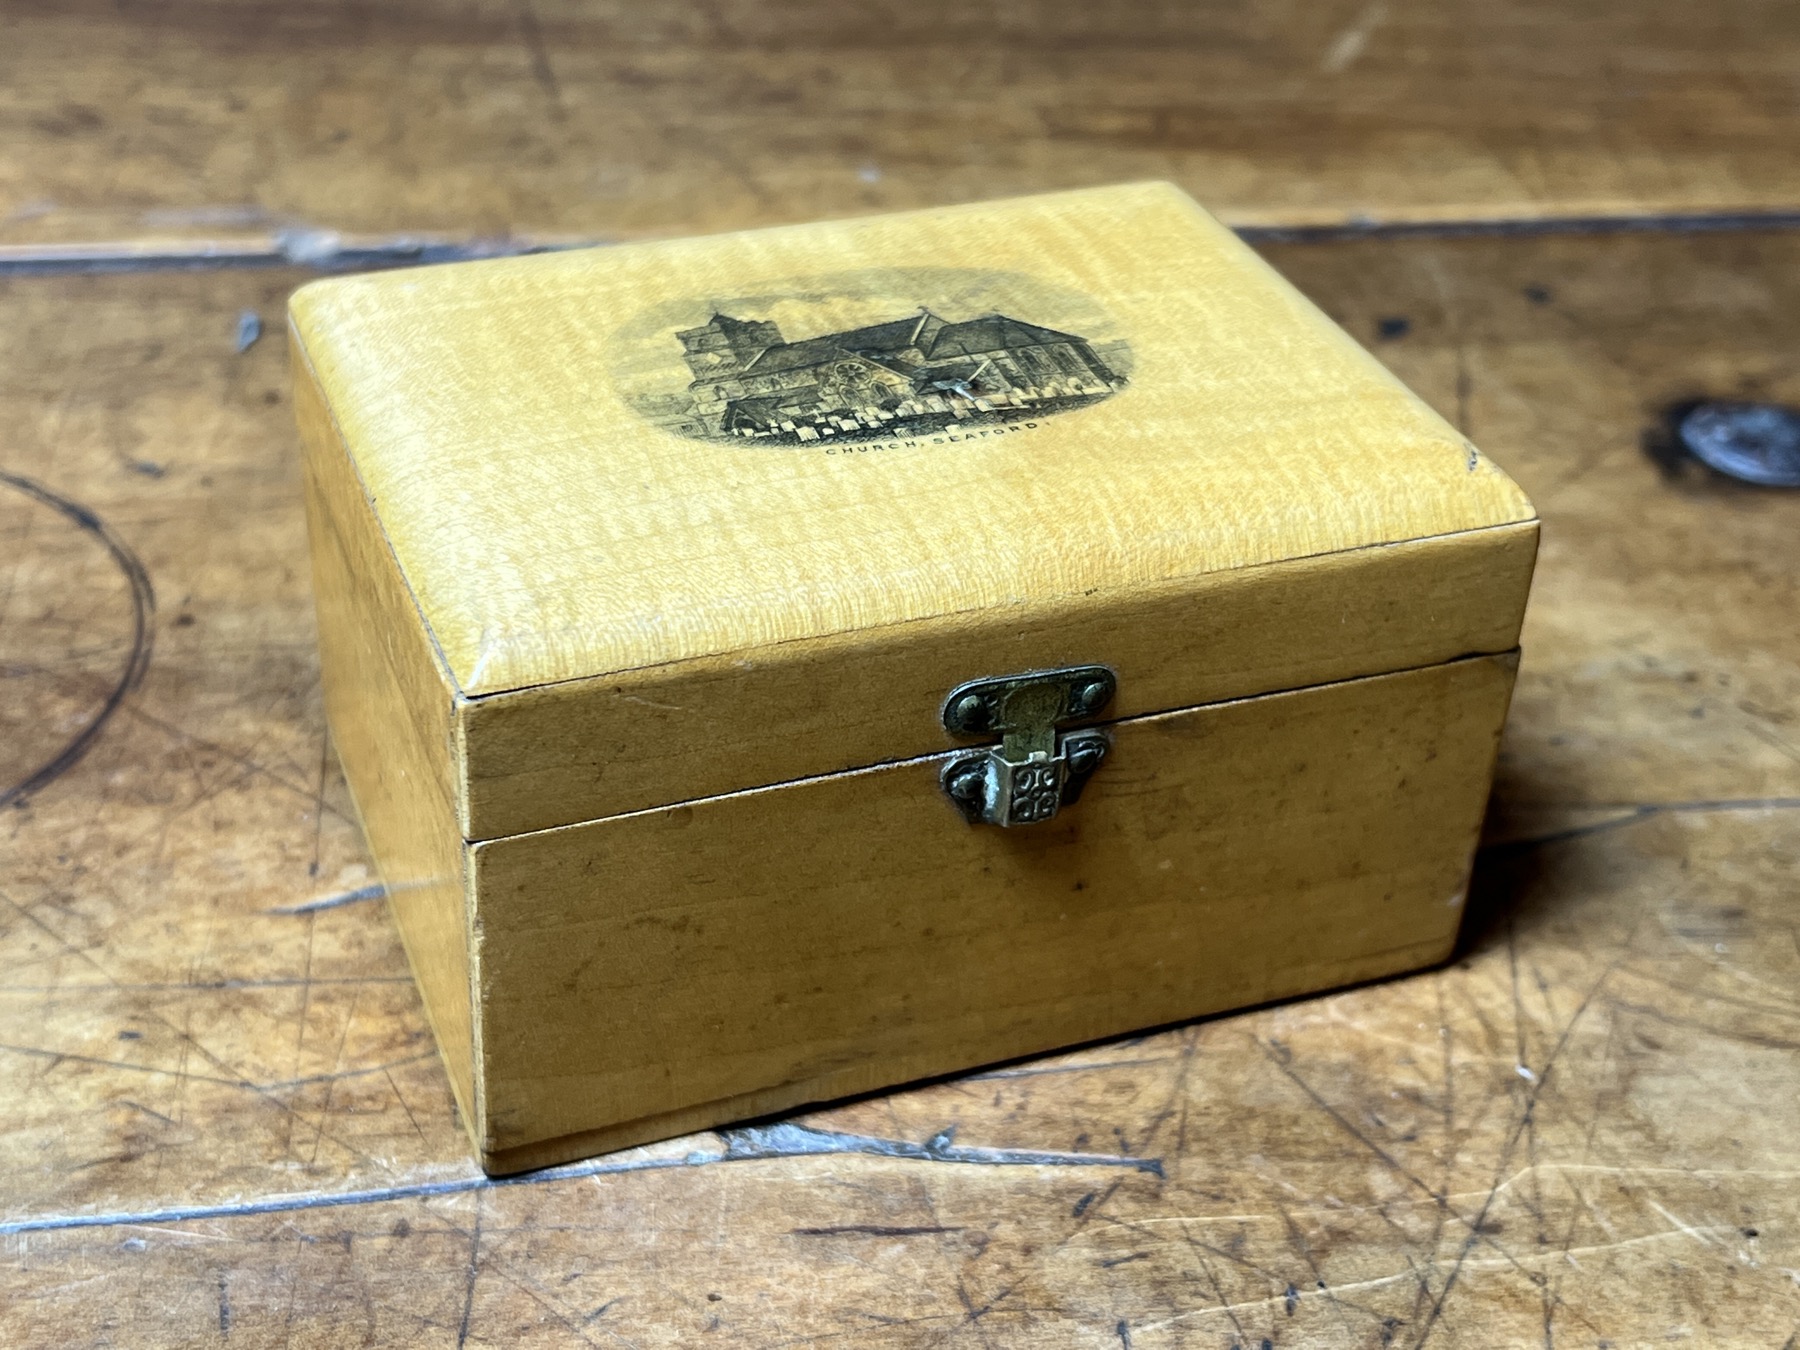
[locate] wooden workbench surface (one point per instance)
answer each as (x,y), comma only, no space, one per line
(221,1116)
(233,118)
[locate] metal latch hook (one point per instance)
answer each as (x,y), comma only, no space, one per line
(1034,772)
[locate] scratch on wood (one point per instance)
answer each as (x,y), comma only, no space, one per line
(196,986)
(786,1140)
(330,251)
(756,1143)
(462,1334)
(1636,813)
(1519,1128)
(875,1230)
(336,901)
(1039,1071)
(1349,44)
(541,70)
(139,1106)
(143,637)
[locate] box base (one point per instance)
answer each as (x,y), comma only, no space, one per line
(673,970)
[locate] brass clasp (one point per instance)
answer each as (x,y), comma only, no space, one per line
(1033,773)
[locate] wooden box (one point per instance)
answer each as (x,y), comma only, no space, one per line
(651,581)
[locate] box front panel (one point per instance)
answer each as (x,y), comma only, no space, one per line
(667,970)
(654,502)
(567,753)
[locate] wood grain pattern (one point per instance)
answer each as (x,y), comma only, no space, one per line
(744,955)
(551,531)
(223,1122)
(518,522)
(545,757)
(552,534)
(620,119)
(390,710)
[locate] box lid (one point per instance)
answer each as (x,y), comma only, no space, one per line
(697,516)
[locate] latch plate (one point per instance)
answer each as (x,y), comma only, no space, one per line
(1034,772)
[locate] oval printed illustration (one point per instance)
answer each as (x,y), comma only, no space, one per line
(872,354)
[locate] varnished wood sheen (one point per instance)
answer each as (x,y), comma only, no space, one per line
(222,1120)
(481,430)
(392,709)
(557,541)
(827,938)
(540,758)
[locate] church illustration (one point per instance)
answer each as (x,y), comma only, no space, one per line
(905,377)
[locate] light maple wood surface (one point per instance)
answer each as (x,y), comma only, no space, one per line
(390,707)
(540,758)
(223,1121)
(650,974)
(551,532)
(491,512)
(270,126)
(731,614)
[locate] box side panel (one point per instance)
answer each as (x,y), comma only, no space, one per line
(390,715)
(585,750)
(673,969)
